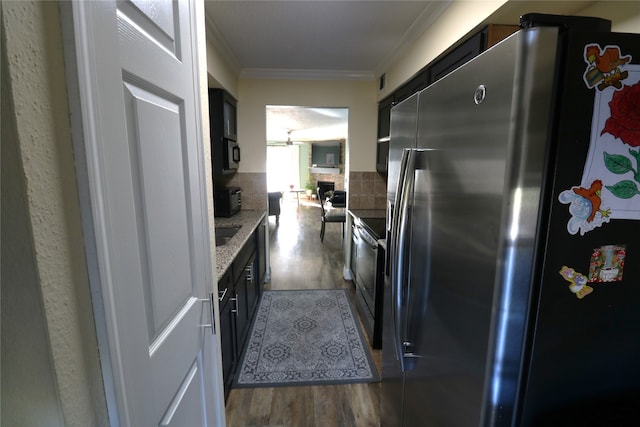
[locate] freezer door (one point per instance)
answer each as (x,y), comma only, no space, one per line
(481,151)
(402,134)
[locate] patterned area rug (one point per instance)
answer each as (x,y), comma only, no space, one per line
(305,337)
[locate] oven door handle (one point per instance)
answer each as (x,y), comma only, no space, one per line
(364,235)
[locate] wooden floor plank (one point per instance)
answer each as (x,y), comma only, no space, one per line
(300,261)
(260,407)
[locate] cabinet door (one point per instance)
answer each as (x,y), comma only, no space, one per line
(229,118)
(354,252)
(240,310)
(382,156)
(251,282)
(245,292)
(228,345)
(261,254)
(457,57)
(384,116)
(227,331)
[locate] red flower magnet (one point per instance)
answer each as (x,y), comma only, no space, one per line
(624,122)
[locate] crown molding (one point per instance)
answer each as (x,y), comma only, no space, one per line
(217,40)
(291,74)
(429,15)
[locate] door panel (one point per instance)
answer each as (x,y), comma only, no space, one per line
(156,18)
(158,167)
(158,112)
(146,167)
(185,406)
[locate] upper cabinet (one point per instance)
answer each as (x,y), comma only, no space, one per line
(225,151)
(384,115)
(382,148)
(452,58)
(222,114)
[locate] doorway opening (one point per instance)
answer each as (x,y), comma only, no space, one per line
(298,138)
(304,145)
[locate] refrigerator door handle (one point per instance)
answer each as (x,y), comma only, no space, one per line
(400,241)
(394,259)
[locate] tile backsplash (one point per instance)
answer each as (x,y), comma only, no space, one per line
(367,190)
(254,188)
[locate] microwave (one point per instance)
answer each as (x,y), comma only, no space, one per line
(227,201)
(225,156)
(231,154)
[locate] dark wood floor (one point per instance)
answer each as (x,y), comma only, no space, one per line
(300,261)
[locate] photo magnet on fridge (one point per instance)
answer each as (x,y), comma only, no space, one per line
(607,263)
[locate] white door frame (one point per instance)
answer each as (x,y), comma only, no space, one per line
(81,63)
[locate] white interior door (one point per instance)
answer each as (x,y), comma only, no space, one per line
(146,174)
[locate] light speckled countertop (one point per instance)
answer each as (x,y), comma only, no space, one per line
(248,221)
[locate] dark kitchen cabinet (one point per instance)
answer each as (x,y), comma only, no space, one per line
(457,57)
(228,345)
(382,147)
(451,59)
(261,254)
(354,252)
(223,114)
(384,117)
(382,156)
(239,293)
(245,292)
(223,132)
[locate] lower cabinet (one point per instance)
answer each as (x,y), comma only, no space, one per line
(354,251)
(261,254)
(228,342)
(239,292)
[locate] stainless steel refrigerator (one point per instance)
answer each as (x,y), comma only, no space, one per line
(513,293)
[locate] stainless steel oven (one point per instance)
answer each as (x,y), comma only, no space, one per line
(369,264)
(367,254)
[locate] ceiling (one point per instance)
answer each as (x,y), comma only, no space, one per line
(306,123)
(339,39)
(330,39)
(314,39)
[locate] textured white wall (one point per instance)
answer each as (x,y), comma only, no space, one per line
(220,71)
(624,15)
(43,141)
(455,22)
(29,393)
(464,16)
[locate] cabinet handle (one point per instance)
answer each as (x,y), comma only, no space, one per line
(249,273)
(211,325)
(224,293)
(234,299)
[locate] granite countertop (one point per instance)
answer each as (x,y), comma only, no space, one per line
(248,221)
(373,219)
(368,213)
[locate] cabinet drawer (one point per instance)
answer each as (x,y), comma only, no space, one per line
(241,261)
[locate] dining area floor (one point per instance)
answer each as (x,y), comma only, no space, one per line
(299,260)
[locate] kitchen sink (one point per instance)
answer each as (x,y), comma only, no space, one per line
(225,234)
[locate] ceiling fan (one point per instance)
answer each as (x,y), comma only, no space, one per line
(289,141)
